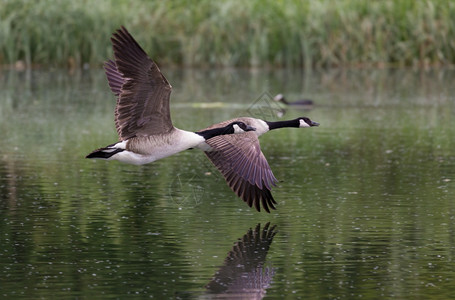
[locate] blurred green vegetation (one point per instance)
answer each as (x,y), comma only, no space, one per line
(258,33)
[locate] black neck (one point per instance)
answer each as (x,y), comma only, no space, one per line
(208,134)
(281,124)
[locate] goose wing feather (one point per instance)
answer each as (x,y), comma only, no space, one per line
(143,91)
(114,77)
(243,165)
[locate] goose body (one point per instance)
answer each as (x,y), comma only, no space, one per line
(142,113)
(147,149)
(139,150)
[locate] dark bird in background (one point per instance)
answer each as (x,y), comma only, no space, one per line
(302,102)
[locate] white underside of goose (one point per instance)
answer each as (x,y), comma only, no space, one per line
(181,140)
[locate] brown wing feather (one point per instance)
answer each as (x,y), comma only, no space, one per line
(114,77)
(240,160)
(143,102)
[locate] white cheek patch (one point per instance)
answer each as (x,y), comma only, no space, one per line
(303,124)
(237,129)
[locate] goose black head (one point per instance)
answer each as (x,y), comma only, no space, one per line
(240,127)
(306,122)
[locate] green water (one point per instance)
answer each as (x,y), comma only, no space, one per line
(366,201)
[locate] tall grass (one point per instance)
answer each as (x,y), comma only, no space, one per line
(255,33)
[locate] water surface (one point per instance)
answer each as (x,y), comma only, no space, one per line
(365,201)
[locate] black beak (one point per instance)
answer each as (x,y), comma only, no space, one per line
(314,123)
(249,128)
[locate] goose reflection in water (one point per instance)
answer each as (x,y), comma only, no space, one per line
(243,275)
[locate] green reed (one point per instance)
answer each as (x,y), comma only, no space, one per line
(233,33)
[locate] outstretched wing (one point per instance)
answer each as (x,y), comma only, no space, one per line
(114,77)
(243,165)
(143,92)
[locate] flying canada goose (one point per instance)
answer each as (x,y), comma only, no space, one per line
(243,165)
(302,102)
(142,115)
(240,160)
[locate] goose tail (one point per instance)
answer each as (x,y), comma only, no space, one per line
(105,153)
